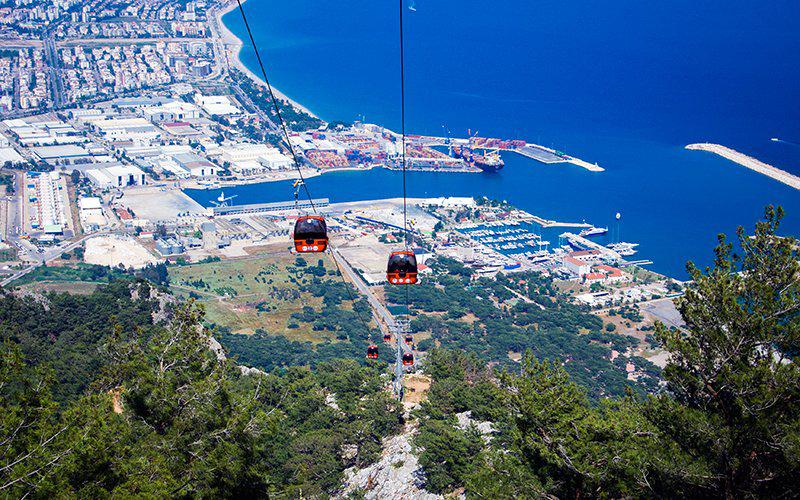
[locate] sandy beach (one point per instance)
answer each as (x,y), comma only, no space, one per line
(233,47)
(759,166)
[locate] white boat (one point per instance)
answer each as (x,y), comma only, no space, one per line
(593,231)
(624,248)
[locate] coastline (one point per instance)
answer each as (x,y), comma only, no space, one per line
(288,175)
(232,46)
(746,161)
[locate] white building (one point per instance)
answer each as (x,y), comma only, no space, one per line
(91,213)
(10,155)
(47,202)
(589,256)
(195,165)
(117,176)
(219,105)
(275,160)
(245,152)
(575,266)
(38,133)
(254,159)
(127,128)
(172,112)
(99,178)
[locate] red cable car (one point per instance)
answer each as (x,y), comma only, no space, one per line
(402,268)
(310,234)
(409,339)
(408,359)
(387,337)
(372,352)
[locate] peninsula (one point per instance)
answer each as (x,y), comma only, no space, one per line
(790,180)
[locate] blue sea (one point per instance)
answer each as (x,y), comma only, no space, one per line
(626,84)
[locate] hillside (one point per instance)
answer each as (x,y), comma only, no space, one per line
(116,392)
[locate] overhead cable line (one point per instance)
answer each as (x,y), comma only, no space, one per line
(277,108)
(297,163)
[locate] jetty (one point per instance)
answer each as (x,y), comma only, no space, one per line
(759,166)
(554,223)
(580,241)
(536,152)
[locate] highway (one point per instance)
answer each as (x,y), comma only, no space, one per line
(53,65)
(88,42)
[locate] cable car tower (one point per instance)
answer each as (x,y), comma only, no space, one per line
(399,329)
(297,185)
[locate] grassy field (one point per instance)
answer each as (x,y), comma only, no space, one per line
(67,273)
(76,287)
(255,292)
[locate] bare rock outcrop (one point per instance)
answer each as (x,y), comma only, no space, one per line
(396,476)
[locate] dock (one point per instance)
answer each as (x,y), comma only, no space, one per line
(586,243)
(537,152)
(554,223)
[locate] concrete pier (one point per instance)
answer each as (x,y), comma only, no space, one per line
(536,152)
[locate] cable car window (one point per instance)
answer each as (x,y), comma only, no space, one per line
(308,228)
(402,263)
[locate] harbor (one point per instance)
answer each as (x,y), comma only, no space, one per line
(536,152)
(531,245)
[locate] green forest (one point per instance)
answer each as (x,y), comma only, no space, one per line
(727,427)
(547,324)
(99,400)
(121,393)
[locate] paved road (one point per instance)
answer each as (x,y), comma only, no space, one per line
(50,255)
(83,42)
(380,313)
(20,43)
(53,64)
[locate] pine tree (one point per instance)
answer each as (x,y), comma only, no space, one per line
(733,370)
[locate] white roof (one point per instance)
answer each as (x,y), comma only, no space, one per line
(217,105)
(10,154)
(99,176)
(65,151)
(171,107)
(89,203)
(17,122)
(124,170)
(246,165)
(113,123)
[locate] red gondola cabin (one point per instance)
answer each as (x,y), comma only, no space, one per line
(402,268)
(408,359)
(310,234)
(387,337)
(409,339)
(372,352)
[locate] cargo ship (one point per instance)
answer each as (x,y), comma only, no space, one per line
(490,161)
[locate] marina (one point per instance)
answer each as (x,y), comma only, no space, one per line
(521,243)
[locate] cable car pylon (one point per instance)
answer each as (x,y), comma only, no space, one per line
(398,328)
